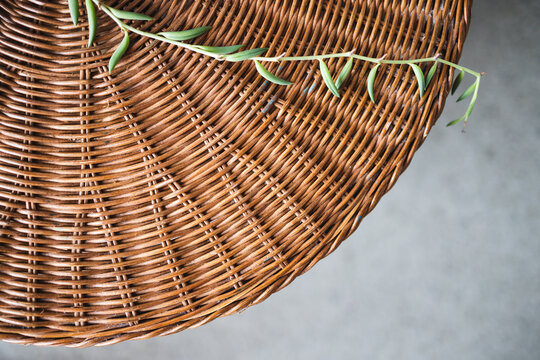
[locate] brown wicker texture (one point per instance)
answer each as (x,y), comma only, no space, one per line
(181,189)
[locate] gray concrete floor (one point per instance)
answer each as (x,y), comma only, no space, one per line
(446,267)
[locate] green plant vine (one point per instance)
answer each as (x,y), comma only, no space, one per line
(233,54)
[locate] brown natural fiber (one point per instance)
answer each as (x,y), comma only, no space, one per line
(180,188)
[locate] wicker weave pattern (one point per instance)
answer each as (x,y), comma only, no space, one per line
(181,189)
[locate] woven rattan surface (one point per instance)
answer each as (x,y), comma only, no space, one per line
(181,189)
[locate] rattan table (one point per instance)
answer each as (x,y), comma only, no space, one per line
(180,189)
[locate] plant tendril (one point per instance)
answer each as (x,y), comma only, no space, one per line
(232,54)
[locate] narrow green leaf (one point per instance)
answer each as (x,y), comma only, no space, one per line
(327,77)
(74,11)
(129,15)
(119,52)
(457,121)
(474,93)
(470,108)
(467,92)
(269,76)
(186,34)
(92,21)
(420,78)
(220,50)
(245,55)
(431,73)
(457,81)
(344,73)
(371,82)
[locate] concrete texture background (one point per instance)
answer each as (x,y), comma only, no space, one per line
(446,267)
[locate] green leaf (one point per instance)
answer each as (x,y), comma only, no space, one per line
(431,73)
(186,34)
(327,77)
(92,21)
(470,108)
(74,11)
(457,81)
(371,82)
(129,15)
(344,73)
(467,92)
(220,50)
(420,78)
(119,52)
(457,121)
(269,76)
(245,55)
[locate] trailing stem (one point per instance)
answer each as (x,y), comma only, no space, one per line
(233,54)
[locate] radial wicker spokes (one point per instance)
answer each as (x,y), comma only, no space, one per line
(180,188)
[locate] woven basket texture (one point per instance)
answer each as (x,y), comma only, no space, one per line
(179,188)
